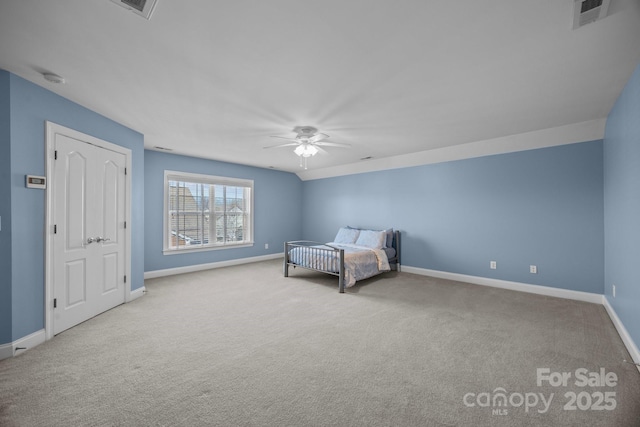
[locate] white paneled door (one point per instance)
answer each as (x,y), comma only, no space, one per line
(88,208)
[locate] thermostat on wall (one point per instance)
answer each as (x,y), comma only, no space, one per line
(36,182)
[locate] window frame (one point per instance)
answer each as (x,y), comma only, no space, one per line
(211,180)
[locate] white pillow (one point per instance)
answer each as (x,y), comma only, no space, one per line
(347,235)
(372,239)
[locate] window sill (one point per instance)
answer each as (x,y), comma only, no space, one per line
(205,249)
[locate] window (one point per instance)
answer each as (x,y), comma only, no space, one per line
(204,212)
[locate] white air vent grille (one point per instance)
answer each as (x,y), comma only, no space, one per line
(143,8)
(587,11)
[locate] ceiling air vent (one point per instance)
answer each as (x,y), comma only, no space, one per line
(587,11)
(143,8)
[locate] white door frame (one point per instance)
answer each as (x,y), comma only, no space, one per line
(51,130)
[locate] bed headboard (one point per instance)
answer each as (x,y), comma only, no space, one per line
(396,246)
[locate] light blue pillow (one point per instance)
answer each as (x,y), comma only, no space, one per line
(372,239)
(347,235)
(389,240)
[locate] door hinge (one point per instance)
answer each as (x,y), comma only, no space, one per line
(125,171)
(55,302)
(125,224)
(125,279)
(55,228)
(55,155)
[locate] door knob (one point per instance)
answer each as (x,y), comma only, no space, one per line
(100,239)
(90,240)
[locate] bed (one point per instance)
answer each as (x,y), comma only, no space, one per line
(355,254)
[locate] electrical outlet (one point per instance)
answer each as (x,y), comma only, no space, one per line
(614,291)
(493,265)
(533,269)
(266,246)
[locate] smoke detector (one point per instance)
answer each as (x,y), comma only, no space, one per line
(143,8)
(588,11)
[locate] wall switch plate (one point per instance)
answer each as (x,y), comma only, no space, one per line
(614,291)
(533,269)
(266,246)
(493,265)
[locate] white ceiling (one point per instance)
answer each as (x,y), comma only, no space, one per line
(396,79)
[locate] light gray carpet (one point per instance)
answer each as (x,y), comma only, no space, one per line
(244,346)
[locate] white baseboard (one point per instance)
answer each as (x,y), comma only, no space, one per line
(136,293)
(504,284)
(209,266)
(17,347)
(622,331)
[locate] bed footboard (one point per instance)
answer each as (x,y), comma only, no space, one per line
(315,256)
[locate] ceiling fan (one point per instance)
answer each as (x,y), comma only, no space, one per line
(308,142)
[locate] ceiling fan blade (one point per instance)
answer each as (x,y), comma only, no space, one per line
(322,150)
(318,137)
(284,137)
(289,144)
(332,144)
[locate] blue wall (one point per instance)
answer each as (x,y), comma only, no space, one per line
(622,206)
(5,211)
(277,210)
(30,107)
(541,207)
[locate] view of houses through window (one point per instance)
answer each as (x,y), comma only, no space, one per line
(207,212)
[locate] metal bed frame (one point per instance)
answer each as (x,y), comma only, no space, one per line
(323,255)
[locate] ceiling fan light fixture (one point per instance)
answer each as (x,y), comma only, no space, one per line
(306,150)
